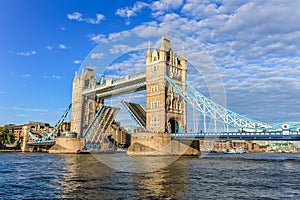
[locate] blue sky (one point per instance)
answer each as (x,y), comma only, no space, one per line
(245,53)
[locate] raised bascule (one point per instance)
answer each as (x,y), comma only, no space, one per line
(164,120)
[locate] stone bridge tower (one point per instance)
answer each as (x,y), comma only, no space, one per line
(84,108)
(166,110)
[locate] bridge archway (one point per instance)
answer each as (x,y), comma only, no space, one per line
(173,125)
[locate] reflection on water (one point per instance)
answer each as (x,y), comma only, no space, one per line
(136,164)
(85,177)
(163,183)
(40,176)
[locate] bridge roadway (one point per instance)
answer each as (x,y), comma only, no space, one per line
(124,85)
(42,143)
(276,136)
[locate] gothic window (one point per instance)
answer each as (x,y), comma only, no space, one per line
(91,106)
(155,104)
(154,89)
(86,83)
(155,121)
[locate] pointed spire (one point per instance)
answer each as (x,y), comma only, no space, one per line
(90,67)
(149,49)
(102,80)
(165,43)
(167,36)
(162,47)
(182,54)
(82,72)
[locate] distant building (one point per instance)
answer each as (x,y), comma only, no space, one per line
(119,135)
(16,130)
(39,129)
(225,145)
(65,126)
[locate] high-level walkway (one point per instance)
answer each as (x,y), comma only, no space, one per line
(125,85)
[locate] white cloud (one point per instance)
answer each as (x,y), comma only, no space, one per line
(23,108)
(96,55)
(75,16)
(52,77)
(112,37)
(119,36)
(62,46)
(254,47)
(128,12)
(77,62)
(59,46)
(120,48)
(79,17)
(26,75)
(134,63)
(160,7)
(62,28)
(99,18)
(98,38)
(27,53)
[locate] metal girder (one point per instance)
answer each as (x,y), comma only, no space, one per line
(215,111)
(95,133)
(50,135)
(273,135)
(60,121)
(137,113)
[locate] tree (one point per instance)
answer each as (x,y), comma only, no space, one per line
(6,137)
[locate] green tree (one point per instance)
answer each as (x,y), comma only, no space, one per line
(6,137)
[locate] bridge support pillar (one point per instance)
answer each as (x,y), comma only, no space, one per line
(67,145)
(161,144)
(24,146)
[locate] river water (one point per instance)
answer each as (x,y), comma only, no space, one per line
(214,176)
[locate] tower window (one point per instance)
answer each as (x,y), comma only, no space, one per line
(155,104)
(154,88)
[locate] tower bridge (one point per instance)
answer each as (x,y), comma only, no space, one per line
(164,119)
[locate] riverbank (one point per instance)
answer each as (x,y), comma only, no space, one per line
(9,150)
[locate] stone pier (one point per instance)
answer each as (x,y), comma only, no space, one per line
(66,146)
(154,144)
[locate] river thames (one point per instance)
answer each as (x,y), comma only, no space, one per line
(215,176)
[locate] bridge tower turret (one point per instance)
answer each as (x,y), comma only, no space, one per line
(166,110)
(83,107)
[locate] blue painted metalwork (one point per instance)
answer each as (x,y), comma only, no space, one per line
(50,135)
(273,135)
(91,126)
(138,118)
(217,112)
(42,143)
(94,136)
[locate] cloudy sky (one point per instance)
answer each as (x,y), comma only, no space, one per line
(243,54)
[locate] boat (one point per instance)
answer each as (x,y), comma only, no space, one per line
(234,151)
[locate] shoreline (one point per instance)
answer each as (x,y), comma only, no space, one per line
(9,150)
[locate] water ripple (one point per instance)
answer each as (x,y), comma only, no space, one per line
(247,176)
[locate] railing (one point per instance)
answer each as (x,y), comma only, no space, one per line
(42,143)
(122,90)
(276,135)
(117,82)
(129,78)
